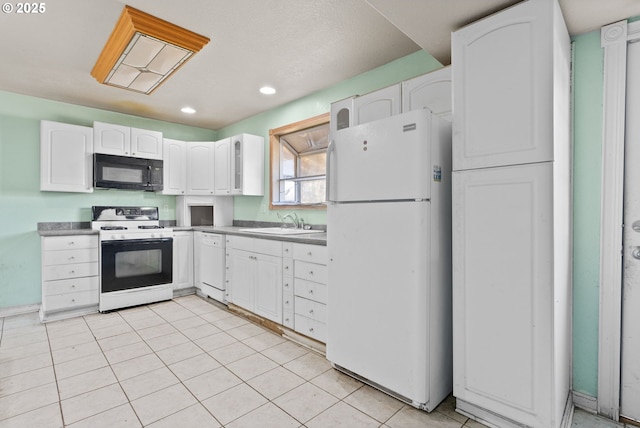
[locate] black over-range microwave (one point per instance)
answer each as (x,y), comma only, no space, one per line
(122,172)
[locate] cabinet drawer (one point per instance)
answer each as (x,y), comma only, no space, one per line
(76,270)
(311,271)
(287,319)
(213,239)
(256,245)
(312,328)
(71,300)
(63,286)
(310,253)
(310,290)
(310,309)
(69,242)
(64,257)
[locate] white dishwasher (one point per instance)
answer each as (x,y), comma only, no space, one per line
(211,261)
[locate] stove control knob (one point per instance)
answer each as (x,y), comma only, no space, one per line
(123,236)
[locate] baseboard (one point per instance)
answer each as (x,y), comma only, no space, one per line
(585,402)
(18,310)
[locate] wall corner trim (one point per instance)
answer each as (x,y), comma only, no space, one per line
(614,42)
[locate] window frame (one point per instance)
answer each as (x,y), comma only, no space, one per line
(274,148)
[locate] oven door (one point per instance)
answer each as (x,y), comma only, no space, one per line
(129,264)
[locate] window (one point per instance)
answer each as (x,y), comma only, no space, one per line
(298,156)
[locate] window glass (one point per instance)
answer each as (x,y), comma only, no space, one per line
(298,159)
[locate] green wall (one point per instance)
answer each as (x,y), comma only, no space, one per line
(257,208)
(22,205)
(587,141)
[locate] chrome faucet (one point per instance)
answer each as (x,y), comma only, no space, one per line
(294,220)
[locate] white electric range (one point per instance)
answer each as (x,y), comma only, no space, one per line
(136,256)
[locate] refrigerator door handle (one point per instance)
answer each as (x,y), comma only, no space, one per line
(330,150)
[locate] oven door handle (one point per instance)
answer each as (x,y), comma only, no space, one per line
(132,242)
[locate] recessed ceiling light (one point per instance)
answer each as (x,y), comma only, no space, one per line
(188,110)
(267,90)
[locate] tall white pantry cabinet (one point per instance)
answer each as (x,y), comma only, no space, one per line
(511,218)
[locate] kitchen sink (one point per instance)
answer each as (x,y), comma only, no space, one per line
(281,231)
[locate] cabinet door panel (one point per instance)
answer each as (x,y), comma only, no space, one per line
(146,144)
(112,139)
(243,279)
(222,173)
(66,157)
(269,287)
(200,168)
(503,288)
(174,172)
(432,91)
(503,97)
(377,105)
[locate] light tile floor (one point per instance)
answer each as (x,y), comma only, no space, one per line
(185,363)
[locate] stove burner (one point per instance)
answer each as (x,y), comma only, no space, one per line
(152,226)
(113,228)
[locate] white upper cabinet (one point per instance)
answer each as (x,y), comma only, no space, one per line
(174,172)
(385,102)
(66,157)
(503,69)
(125,141)
(341,116)
(112,139)
(200,168)
(247,165)
(239,165)
(432,91)
(222,171)
(146,144)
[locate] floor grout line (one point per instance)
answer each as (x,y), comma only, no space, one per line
(165,312)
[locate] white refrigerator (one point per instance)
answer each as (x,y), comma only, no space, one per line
(389,245)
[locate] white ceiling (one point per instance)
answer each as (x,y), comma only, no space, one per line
(297,46)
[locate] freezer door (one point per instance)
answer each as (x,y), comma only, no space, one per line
(377,303)
(388,159)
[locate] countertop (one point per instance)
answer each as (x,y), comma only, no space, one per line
(312,238)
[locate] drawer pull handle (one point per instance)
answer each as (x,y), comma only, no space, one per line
(311,291)
(73,300)
(73,271)
(73,286)
(72,243)
(286,268)
(286,302)
(309,253)
(72,258)
(311,311)
(310,272)
(311,330)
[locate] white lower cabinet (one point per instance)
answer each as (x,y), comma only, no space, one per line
(256,276)
(70,282)
(310,290)
(182,260)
